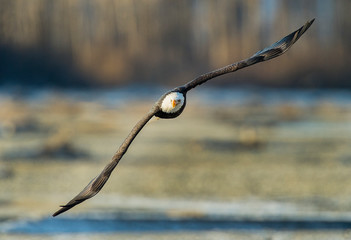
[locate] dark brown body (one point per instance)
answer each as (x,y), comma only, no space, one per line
(165,115)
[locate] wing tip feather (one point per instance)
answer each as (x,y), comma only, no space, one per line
(61,210)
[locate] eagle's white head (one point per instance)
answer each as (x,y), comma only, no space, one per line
(172,102)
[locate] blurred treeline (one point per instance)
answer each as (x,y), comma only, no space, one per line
(114,42)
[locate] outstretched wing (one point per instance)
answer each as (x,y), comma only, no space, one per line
(99,181)
(270,52)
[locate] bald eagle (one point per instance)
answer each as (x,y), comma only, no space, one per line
(171,105)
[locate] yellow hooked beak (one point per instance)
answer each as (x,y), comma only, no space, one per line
(174,103)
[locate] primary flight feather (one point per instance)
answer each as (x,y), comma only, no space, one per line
(171,105)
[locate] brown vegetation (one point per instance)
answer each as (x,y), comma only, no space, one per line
(117,42)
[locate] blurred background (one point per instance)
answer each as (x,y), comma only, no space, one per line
(262,153)
(112,43)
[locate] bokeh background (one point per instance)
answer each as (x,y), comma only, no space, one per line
(262,153)
(113,43)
